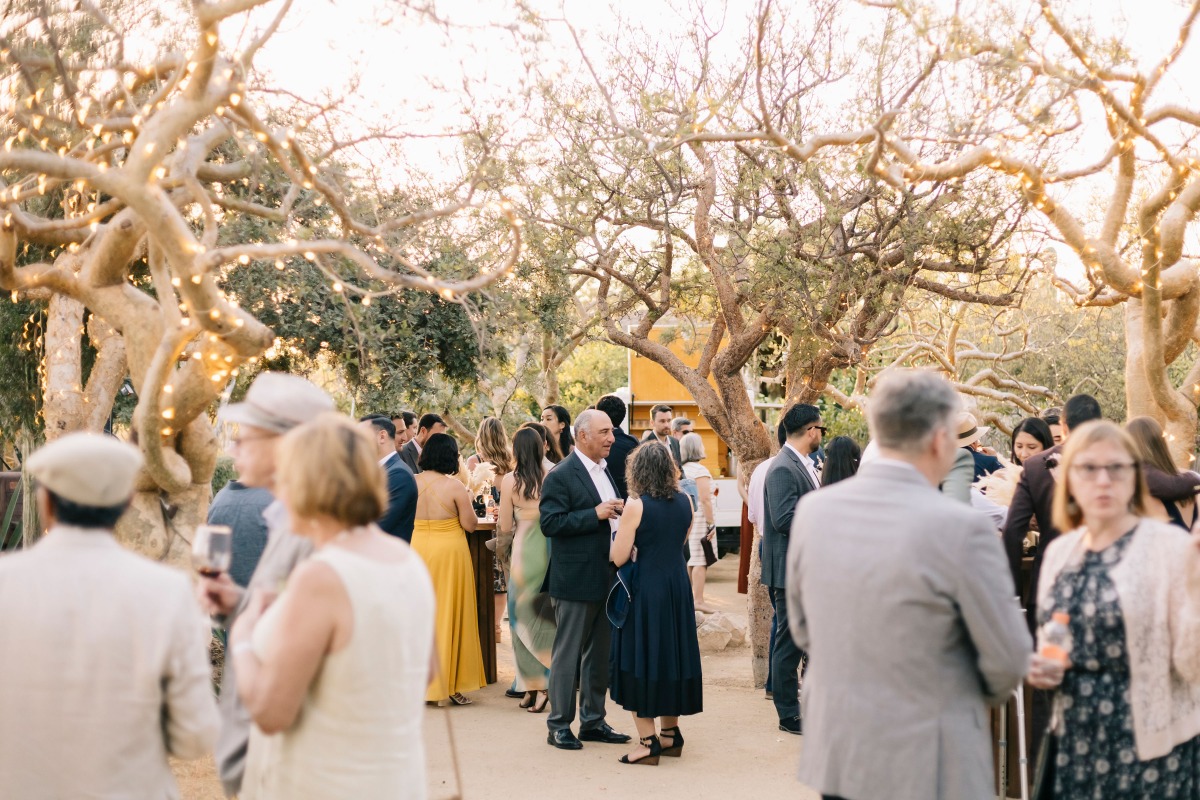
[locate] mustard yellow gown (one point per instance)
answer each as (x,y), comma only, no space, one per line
(442,545)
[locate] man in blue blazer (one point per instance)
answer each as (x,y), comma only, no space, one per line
(792,475)
(579,510)
(402,486)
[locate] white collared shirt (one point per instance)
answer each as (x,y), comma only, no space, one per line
(386,458)
(600,479)
(756,492)
(807,463)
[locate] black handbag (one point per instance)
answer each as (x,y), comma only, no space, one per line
(620,595)
(710,553)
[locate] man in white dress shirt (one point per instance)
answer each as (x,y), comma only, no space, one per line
(106,668)
(579,509)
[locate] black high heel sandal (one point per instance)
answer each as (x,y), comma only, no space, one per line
(528,701)
(540,705)
(676,748)
(649,760)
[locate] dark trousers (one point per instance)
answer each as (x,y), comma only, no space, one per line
(580,654)
(771,646)
(786,659)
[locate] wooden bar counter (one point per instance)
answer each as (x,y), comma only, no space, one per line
(482,559)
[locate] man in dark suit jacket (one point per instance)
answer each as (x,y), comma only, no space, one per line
(792,475)
(402,486)
(660,430)
(411,452)
(623,444)
(579,510)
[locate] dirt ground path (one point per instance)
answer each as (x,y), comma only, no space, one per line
(734,748)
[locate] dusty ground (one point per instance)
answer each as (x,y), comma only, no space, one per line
(733,749)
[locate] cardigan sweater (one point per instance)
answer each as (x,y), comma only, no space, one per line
(1158,588)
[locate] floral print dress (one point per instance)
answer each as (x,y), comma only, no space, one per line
(1097,758)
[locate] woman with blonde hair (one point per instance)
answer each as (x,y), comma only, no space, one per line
(1128,703)
(491,447)
(1151,444)
(334,671)
(691,454)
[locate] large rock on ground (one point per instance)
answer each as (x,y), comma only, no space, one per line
(718,631)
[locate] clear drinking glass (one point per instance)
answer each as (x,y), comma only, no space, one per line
(212,549)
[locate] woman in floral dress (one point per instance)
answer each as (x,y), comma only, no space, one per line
(1127,711)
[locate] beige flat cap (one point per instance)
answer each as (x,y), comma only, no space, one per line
(87,468)
(278,402)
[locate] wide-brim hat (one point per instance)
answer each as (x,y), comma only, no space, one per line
(278,402)
(969,429)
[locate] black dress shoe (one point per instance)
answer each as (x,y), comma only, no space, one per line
(513,693)
(791,725)
(564,740)
(604,733)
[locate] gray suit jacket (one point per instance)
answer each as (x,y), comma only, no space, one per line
(903,602)
(106,671)
(409,455)
(787,482)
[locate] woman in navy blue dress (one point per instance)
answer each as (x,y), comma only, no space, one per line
(655,660)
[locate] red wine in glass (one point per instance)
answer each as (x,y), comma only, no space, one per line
(212,549)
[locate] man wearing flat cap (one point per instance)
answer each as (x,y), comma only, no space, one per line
(106,667)
(274,404)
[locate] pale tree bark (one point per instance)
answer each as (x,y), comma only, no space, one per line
(1134,254)
(111,166)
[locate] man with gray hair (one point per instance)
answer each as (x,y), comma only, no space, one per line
(901,599)
(580,507)
(680,427)
(275,403)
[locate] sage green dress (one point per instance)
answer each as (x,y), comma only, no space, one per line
(533,618)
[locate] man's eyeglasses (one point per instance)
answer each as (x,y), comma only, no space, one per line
(1116,472)
(820,428)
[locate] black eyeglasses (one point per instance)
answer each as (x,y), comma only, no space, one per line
(820,428)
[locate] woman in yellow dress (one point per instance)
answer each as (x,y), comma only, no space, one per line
(444,513)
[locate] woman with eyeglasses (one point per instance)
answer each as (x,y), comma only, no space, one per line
(1127,710)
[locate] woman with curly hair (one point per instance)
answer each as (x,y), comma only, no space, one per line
(654,663)
(491,447)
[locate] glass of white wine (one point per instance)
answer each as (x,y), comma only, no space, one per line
(212,549)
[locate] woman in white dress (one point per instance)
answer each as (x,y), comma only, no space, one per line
(691,453)
(333,672)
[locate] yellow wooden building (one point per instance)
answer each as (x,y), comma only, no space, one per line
(650,385)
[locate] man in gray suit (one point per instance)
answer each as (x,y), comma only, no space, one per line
(901,597)
(791,476)
(580,508)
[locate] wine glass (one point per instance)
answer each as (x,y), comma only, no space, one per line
(212,549)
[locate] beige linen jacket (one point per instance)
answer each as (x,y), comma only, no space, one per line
(1158,588)
(105,671)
